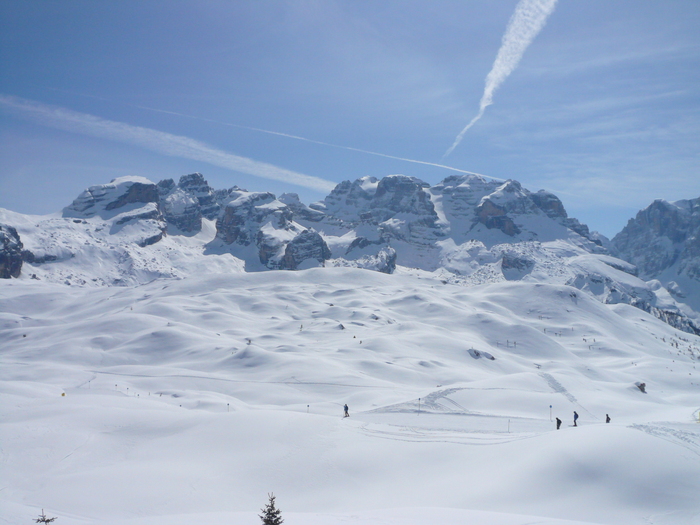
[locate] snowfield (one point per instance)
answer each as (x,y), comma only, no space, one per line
(188,400)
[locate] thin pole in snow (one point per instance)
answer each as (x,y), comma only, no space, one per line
(228,407)
(307,409)
(419,406)
(550,412)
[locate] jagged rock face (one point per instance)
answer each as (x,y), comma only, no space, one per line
(181,209)
(10,252)
(384,261)
(242,219)
(663,236)
(137,193)
(496,211)
(468,201)
(308,245)
(195,185)
(266,223)
(107,200)
(398,194)
(495,217)
(375,201)
(300,210)
(223,197)
(549,203)
(349,200)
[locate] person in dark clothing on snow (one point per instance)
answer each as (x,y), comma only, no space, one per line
(607,418)
(558,423)
(346,410)
(575,418)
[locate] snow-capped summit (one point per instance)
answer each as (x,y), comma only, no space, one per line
(130,205)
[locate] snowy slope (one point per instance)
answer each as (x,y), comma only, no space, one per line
(188,400)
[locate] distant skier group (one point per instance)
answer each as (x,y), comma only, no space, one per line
(607,420)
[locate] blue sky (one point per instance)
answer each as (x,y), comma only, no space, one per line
(603,109)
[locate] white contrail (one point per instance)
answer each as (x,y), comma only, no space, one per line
(312,141)
(527,21)
(280,134)
(158,141)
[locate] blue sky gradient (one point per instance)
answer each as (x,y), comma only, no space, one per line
(603,109)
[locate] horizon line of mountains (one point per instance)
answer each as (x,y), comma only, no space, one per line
(466,226)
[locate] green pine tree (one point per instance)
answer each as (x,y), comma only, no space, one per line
(270,514)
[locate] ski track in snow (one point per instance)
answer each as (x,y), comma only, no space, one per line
(558,387)
(684,438)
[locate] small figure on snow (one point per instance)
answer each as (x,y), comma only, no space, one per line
(346,410)
(607,418)
(575,418)
(558,423)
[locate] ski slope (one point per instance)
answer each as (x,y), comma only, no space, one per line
(189,400)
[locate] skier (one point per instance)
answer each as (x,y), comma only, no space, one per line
(558,423)
(607,418)
(346,410)
(575,418)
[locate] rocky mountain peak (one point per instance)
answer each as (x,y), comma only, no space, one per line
(108,200)
(663,241)
(198,187)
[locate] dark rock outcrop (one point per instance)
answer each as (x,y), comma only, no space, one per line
(195,185)
(308,245)
(107,200)
(181,210)
(136,193)
(242,218)
(10,252)
(495,217)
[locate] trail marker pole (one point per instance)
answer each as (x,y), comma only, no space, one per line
(550,412)
(228,407)
(419,406)
(307,409)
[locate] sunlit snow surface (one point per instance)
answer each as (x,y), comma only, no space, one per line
(188,401)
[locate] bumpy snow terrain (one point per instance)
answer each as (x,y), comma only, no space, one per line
(197,396)
(151,373)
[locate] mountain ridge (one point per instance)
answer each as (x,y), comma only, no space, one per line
(466,229)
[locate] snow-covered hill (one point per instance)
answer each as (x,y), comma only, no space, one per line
(188,400)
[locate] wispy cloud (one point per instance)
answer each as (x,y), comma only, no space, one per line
(158,141)
(528,20)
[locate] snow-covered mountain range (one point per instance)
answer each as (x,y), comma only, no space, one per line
(466,229)
(170,354)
